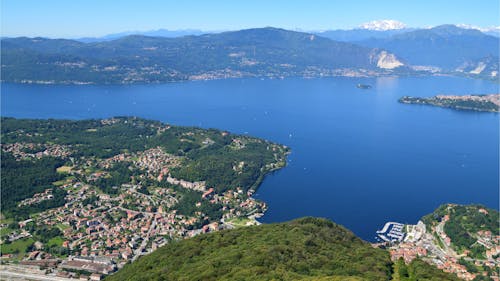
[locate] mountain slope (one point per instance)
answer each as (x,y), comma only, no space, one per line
(251,52)
(445,46)
(486,67)
(304,249)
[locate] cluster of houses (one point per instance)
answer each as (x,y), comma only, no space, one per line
(106,228)
(103,232)
(22,150)
(424,244)
(155,160)
(408,251)
(197,185)
(493,98)
(37,198)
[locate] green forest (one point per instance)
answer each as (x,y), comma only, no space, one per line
(22,179)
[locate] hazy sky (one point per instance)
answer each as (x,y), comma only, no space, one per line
(75,18)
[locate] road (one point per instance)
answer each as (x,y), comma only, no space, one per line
(138,252)
(440,231)
(7,273)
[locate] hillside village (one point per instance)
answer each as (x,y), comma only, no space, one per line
(98,232)
(430,242)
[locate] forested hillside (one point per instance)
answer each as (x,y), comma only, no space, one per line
(304,249)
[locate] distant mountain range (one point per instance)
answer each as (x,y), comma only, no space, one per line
(152,33)
(388,28)
(372,29)
(259,52)
(359,34)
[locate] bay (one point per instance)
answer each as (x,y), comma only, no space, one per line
(358,156)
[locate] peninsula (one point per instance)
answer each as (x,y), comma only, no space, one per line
(486,103)
(86,197)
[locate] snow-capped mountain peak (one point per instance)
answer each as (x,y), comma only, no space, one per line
(382,25)
(482,29)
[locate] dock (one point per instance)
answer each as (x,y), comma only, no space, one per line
(392,232)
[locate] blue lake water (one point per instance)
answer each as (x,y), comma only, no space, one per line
(358,156)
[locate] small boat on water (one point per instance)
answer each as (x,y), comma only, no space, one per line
(363,86)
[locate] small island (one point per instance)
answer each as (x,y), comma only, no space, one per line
(485,103)
(363,86)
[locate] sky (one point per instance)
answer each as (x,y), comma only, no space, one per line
(92,18)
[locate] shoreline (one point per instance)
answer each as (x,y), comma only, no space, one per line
(262,77)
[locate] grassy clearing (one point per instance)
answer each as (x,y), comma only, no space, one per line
(57,241)
(17,247)
(241,222)
(64,181)
(62,227)
(5,231)
(64,169)
(6,221)
(59,183)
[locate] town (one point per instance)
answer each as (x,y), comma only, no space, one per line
(97,232)
(433,245)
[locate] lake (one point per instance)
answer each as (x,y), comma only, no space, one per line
(358,156)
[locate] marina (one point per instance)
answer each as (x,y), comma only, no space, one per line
(391,232)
